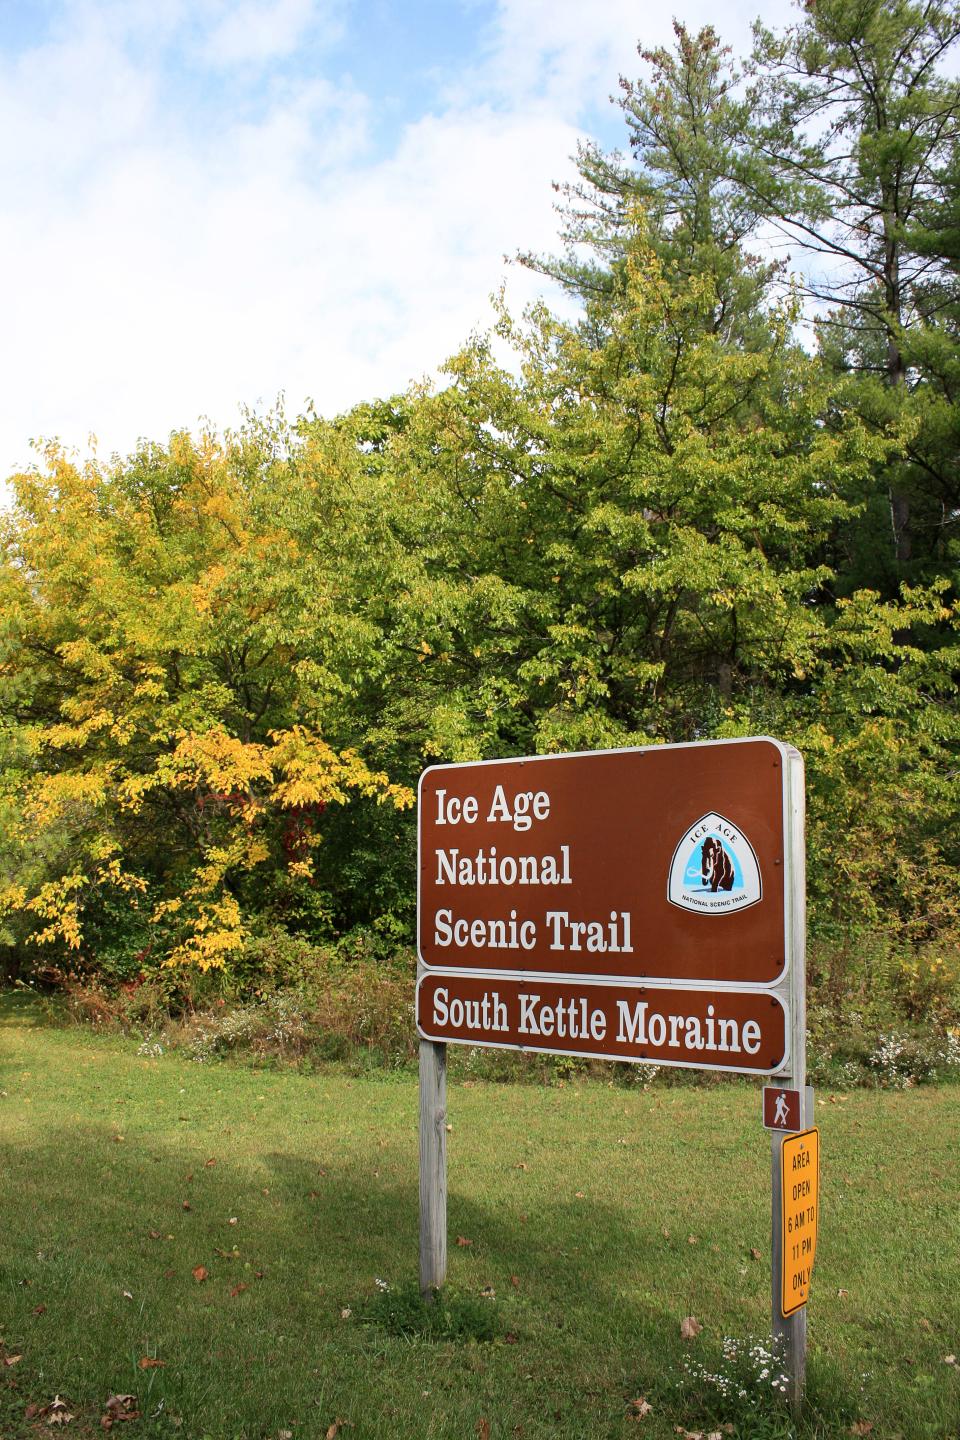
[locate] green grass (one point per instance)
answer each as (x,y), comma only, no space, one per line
(579,1201)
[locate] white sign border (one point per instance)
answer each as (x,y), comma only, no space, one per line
(779,985)
(536,978)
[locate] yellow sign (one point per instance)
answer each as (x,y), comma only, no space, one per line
(800,1208)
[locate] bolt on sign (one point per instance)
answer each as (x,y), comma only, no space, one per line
(663,865)
(800,1202)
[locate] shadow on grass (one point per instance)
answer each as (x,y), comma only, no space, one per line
(246,1279)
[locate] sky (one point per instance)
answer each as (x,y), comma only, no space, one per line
(207,203)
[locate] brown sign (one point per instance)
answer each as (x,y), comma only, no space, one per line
(781,1109)
(663,863)
(662,1025)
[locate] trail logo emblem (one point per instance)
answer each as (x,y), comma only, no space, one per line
(714,870)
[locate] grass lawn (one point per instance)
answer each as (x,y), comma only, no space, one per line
(231,1224)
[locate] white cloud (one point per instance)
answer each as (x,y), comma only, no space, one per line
(554,49)
(154,274)
(258,31)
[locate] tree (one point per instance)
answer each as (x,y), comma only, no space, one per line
(685,127)
(183,638)
(854,126)
(620,542)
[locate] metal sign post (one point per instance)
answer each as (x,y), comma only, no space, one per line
(790,1331)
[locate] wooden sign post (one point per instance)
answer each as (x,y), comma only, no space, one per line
(433,1165)
(645,905)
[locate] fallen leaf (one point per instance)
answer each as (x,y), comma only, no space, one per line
(520,1166)
(449,1129)
(510,1338)
(925,1325)
(692,1240)
(665,1232)
(154,1234)
(150,1362)
(119,1139)
(690,1327)
(12,1359)
(638,1409)
(199,1273)
(186,1205)
(284,1435)
(580,1195)
(345,1313)
(233,1254)
(842,1295)
(861,1427)
(335,1428)
(127,1295)
(462,1241)
(118,1408)
(483,1428)
(39,1309)
(57,1413)
(237,1290)
(232,1220)
(949,1359)
(755,1254)
(515,1281)
(208,1163)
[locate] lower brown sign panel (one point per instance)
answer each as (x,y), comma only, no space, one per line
(700,1029)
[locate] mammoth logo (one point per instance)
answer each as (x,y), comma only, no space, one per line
(714,869)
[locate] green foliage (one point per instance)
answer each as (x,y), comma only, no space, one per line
(616,542)
(851,144)
(182,633)
(444,1315)
(875,715)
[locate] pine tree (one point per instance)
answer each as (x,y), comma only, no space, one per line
(685,125)
(854,126)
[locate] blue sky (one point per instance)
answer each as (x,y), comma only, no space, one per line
(204,203)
